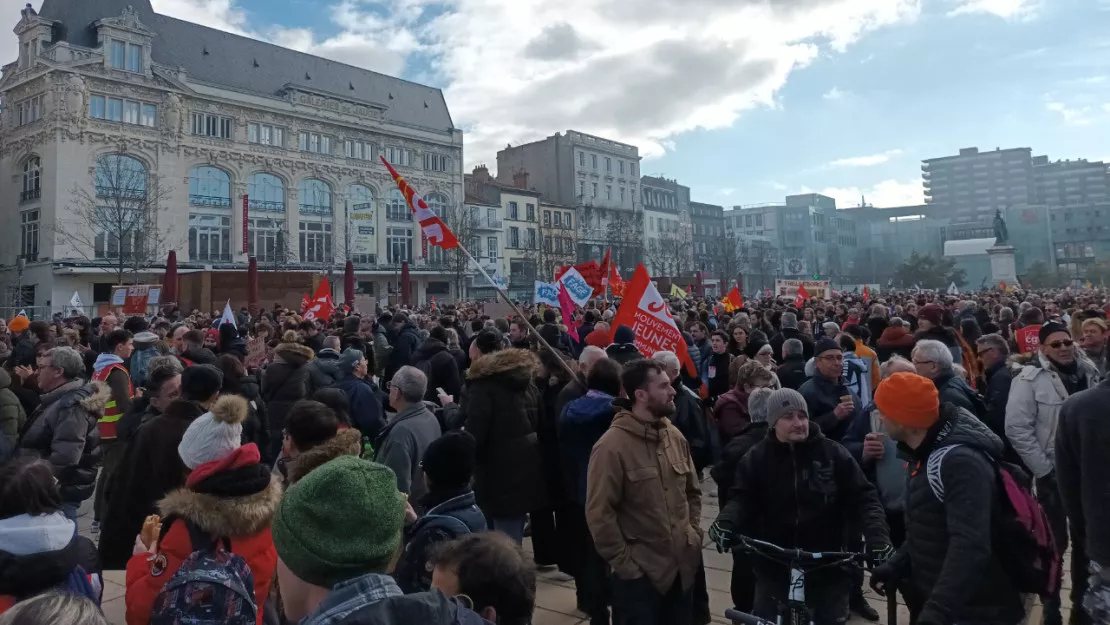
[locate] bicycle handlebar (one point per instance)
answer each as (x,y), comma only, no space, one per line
(744,618)
(798,554)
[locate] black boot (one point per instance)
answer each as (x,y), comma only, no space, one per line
(1052,612)
(859,605)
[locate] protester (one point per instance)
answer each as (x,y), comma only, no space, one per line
(40,549)
(54,607)
(145,344)
(828,398)
(947,561)
(993,352)
(440,367)
(12,415)
(648,531)
(363,398)
(256,427)
(401,444)
(731,410)
(790,331)
(314,435)
(492,572)
(689,415)
(229,495)
(500,408)
(933,360)
(896,340)
(623,349)
(1094,342)
(109,369)
(285,381)
(792,372)
(323,370)
(404,339)
(193,351)
(449,505)
(576,388)
(63,429)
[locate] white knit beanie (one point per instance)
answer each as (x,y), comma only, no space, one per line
(214,434)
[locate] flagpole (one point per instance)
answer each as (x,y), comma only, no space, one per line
(528,324)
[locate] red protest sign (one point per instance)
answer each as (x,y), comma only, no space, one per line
(1028,339)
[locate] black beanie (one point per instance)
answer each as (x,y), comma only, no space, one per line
(624,336)
(489,340)
(449,460)
(825,345)
(1050,328)
(351,325)
(201,382)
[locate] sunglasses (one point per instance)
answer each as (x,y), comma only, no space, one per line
(1059,344)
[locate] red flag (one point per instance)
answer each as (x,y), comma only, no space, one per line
(591,273)
(305,303)
(321,306)
(644,310)
(615,282)
(733,301)
(866,294)
(566,307)
(431,225)
(606,263)
(802,296)
(1002,285)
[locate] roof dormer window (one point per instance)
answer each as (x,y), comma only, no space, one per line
(125,56)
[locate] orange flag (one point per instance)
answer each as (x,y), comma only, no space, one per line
(431,225)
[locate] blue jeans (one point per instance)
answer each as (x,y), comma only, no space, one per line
(70,510)
(512,526)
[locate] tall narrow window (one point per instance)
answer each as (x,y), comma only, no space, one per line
(134,58)
(32,179)
(29,234)
(117,54)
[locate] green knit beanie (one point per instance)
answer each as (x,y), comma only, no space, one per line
(342,520)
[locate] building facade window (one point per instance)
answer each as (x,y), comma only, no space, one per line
(398,243)
(120,177)
(438,203)
(568,221)
(29,235)
(436,162)
(314,142)
(514,211)
(581,159)
(608,164)
(531,211)
(397,208)
(266,134)
(398,156)
(315,197)
(266,240)
(316,242)
(123,111)
(593,161)
(594,189)
(32,180)
(358,150)
(208,125)
(531,240)
(514,237)
(265,192)
(209,186)
(126,56)
(30,110)
(209,238)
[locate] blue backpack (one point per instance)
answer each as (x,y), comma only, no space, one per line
(213,586)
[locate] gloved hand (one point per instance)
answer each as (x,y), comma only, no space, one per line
(879,554)
(882,577)
(723,536)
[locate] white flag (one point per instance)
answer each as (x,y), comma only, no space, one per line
(22,312)
(228,316)
(75,301)
(952,290)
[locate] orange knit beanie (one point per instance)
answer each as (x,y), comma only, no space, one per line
(908,399)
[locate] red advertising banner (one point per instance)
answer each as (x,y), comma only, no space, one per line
(245,227)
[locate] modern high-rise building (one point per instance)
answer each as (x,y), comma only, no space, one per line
(126,133)
(1071,182)
(976,184)
(599,177)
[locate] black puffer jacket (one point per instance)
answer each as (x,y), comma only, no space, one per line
(405,343)
(285,381)
(804,495)
(689,418)
(787,334)
(724,472)
(256,428)
(947,555)
(436,361)
(501,409)
(63,431)
(954,390)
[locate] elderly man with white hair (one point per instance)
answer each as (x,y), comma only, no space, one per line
(576,388)
(933,360)
(403,441)
(689,414)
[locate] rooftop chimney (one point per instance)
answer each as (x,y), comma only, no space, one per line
(481,173)
(520,179)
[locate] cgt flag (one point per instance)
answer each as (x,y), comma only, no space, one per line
(321,306)
(644,310)
(432,227)
(802,296)
(733,301)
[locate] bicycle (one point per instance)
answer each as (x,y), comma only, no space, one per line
(794,610)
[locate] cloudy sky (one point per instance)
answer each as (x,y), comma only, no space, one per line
(745,101)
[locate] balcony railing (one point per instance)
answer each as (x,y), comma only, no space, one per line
(123,194)
(398,215)
(485,223)
(30,194)
(211,258)
(266,205)
(315,209)
(209,200)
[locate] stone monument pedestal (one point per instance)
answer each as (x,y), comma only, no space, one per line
(1003,266)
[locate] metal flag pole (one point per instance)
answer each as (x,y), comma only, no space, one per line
(523,318)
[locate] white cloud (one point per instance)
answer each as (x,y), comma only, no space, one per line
(727,191)
(834,94)
(777,186)
(884,194)
(1073,116)
(1006,9)
(866,161)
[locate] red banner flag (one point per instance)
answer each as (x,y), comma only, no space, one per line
(605,264)
(321,306)
(431,225)
(802,296)
(591,273)
(733,301)
(644,310)
(615,282)
(566,307)
(866,293)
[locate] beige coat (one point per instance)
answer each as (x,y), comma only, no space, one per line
(643,502)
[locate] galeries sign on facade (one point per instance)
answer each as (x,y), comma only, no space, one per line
(338,106)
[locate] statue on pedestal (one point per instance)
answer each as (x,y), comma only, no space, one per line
(1001,234)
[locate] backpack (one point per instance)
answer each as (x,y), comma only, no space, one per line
(212,586)
(1021,535)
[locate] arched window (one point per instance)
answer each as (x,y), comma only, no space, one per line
(209,186)
(266,192)
(32,179)
(120,177)
(315,197)
(397,209)
(437,202)
(361,198)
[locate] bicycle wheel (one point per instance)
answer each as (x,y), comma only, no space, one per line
(798,615)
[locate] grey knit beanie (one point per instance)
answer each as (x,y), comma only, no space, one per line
(782,401)
(757,404)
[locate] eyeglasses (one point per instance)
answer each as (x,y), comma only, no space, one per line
(1063,343)
(924,362)
(984,352)
(837,358)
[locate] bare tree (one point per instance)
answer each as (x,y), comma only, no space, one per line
(728,254)
(454,262)
(624,236)
(118,222)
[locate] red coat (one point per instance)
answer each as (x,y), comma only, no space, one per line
(245,520)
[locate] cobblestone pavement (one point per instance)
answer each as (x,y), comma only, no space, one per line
(555,600)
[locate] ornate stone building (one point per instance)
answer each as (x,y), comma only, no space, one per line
(126,133)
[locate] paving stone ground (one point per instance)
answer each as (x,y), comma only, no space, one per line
(555,599)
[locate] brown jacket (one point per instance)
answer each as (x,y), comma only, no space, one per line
(643,503)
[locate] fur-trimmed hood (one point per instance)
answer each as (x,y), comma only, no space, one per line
(99,395)
(345,443)
(295,354)
(225,516)
(517,365)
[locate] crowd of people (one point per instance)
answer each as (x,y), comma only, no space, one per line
(387,468)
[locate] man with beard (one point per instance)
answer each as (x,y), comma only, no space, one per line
(643,503)
(1058,370)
